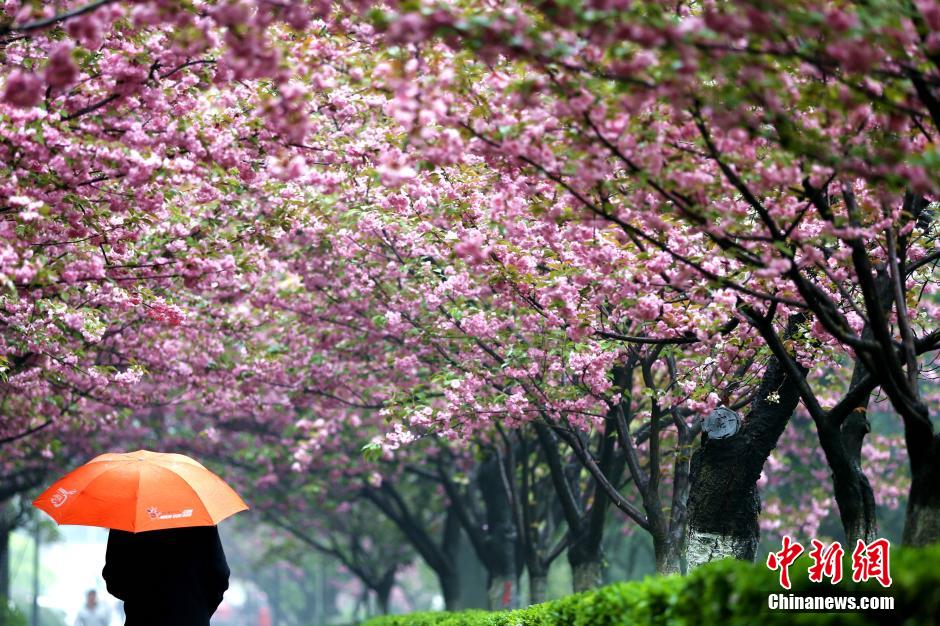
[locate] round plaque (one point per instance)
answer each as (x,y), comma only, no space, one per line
(722,423)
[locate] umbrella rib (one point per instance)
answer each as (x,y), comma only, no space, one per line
(187,483)
(218,486)
(136,500)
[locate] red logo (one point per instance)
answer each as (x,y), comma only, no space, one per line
(826,562)
(872,561)
(784,559)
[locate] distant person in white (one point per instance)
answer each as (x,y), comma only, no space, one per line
(93,614)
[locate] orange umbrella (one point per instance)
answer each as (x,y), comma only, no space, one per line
(139,491)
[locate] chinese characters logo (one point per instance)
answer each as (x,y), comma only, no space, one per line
(869,561)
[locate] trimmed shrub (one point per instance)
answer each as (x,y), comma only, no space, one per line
(726,592)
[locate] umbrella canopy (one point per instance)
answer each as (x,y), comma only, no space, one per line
(138,491)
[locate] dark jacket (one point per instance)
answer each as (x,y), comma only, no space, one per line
(172,577)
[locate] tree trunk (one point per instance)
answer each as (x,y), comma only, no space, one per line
(853,493)
(382,596)
(538,587)
(383,589)
(723,500)
(722,527)
(503,593)
(472,591)
(585,555)
(587,575)
(668,556)
(534,541)
(922,521)
(673,549)
(856,503)
(450,589)
(449,576)
(586,552)
(724,503)
(500,543)
(865,525)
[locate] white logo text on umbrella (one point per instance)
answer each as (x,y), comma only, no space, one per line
(155,513)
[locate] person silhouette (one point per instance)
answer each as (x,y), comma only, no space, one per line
(93,613)
(173,577)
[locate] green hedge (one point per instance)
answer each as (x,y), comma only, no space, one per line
(725,592)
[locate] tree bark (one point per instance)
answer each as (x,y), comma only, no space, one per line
(501,545)
(724,503)
(538,588)
(668,552)
(586,551)
(587,575)
(537,516)
(922,519)
(677,536)
(586,528)
(383,590)
(853,493)
(503,592)
(580,551)
(449,578)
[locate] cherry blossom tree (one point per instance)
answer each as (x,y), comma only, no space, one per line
(757,128)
